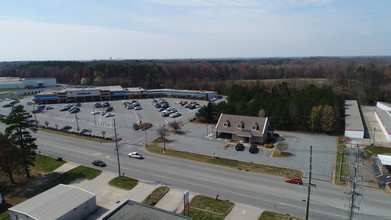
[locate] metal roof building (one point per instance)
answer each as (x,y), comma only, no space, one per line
(383,116)
(60,202)
(354,127)
(131,210)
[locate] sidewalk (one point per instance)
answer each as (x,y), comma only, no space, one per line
(109,197)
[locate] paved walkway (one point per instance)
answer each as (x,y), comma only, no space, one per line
(109,197)
(243,211)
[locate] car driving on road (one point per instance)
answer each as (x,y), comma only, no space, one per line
(99,163)
(136,155)
(296,180)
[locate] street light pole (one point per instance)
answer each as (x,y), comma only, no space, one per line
(374,135)
(116,148)
(77,123)
(164,138)
(309,186)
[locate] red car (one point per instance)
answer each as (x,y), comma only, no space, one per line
(296,180)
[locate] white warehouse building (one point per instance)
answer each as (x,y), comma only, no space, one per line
(63,202)
(383,116)
(26,83)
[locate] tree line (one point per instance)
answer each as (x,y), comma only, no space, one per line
(307,109)
(366,79)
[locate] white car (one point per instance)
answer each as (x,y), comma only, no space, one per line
(137,108)
(95,113)
(135,155)
(109,114)
(176,114)
(48,107)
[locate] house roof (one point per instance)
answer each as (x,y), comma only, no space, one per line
(384,159)
(54,202)
(229,124)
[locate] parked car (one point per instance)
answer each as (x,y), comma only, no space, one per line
(108,109)
(296,180)
(30,103)
(7,105)
(95,113)
(137,108)
(78,104)
(135,126)
(106,104)
(97,105)
(253,149)
(65,108)
(75,110)
(2,116)
(48,107)
(84,130)
(66,128)
(99,163)
(176,114)
(109,114)
(135,155)
(239,147)
(165,114)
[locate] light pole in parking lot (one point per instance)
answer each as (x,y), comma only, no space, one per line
(77,123)
(164,138)
(116,147)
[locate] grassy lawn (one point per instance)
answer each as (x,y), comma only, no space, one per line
(209,205)
(11,89)
(269,215)
(79,172)
(154,147)
(124,182)
(371,150)
(156,195)
(44,164)
(74,135)
(341,158)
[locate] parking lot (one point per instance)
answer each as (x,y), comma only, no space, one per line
(196,137)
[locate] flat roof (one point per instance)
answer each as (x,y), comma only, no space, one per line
(134,210)
(353,120)
(179,90)
(385,118)
(384,159)
(53,203)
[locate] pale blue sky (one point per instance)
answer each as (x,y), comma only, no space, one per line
(164,29)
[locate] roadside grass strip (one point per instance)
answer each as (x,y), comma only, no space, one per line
(75,135)
(44,164)
(77,173)
(124,182)
(269,215)
(154,147)
(205,208)
(341,169)
(156,196)
(372,150)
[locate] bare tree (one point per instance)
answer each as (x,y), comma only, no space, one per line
(56,125)
(103,133)
(47,123)
(175,125)
(162,131)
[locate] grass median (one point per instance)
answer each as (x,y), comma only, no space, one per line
(341,169)
(205,208)
(155,147)
(124,182)
(75,135)
(156,195)
(269,215)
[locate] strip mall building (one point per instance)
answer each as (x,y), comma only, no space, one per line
(65,95)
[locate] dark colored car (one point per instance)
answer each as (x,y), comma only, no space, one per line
(65,108)
(97,105)
(66,128)
(296,180)
(75,110)
(239,147)
(106,104)
(78,104)
(253,149)
(108,109)
(99,163)
(135,126)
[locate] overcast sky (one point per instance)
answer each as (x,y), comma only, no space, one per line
(164,29)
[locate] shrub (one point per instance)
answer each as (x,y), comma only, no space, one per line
(276,153)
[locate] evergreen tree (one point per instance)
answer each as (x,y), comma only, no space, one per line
(18,129)
(10,157)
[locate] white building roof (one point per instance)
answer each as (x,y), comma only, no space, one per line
(353,121)
(384,159)
(53,203)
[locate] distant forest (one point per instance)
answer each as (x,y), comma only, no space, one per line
(366,79)
(296,93)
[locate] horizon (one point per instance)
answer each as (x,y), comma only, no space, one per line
(70,30)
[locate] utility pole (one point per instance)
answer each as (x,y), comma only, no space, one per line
(353,193)
(164,138)
(77,123)
(146,142)
(116,147)
(309,186)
